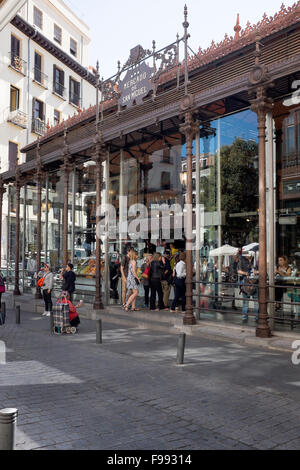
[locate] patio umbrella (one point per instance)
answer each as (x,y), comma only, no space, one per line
(252,247)
(225,250)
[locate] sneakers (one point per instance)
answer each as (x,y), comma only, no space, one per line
(48,314)
(44,314)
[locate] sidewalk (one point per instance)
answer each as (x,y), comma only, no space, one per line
(129,394)
(172,323)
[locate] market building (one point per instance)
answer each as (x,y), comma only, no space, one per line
(207,140)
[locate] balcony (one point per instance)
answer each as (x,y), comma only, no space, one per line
(59,89)
(40,78)
(18,118)
(38,126)
(17,63)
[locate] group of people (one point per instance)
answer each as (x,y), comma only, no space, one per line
(46,281)
(158,274)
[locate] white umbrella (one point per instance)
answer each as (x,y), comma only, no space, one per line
(251,247)
(225,250)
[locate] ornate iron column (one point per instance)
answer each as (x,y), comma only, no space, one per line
(17,247)
(189,128)
(39,178)
(2,191)
(67,168)
(99,155)
(260,103)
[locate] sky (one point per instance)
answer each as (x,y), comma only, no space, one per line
(119,26)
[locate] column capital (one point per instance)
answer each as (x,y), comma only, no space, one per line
(100,148)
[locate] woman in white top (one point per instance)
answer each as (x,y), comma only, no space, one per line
(179,283)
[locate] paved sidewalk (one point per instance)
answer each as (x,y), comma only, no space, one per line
(128,392)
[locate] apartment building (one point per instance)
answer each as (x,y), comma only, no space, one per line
(44,73)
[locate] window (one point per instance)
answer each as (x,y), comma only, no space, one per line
(74,92)
(165,180)
(37,67)
(57,34)
(38,110)
(38,116)
(37,17)
(58,81)
(14,98)
(13,152)
(56,117)
(15,52)
(73,47)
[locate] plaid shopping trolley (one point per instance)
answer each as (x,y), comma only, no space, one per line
(61,319)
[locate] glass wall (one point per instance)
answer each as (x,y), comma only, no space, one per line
(145,188)
(287,279)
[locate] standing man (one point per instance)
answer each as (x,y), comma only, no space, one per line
(166,281)
(124,273)
(69,279)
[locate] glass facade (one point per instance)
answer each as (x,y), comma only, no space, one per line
(145,187)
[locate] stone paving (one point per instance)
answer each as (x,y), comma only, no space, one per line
(129,394)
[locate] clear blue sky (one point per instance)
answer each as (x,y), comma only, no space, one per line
(118,26)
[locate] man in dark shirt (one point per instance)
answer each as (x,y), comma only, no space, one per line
(69,279)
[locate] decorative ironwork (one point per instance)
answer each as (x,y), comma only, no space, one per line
(168,58)
(243,37)
(18,118)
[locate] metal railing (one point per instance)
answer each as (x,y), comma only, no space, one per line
(38,126)
(236,298)
(59,89)
(17,63)
(18,118)
(40,77)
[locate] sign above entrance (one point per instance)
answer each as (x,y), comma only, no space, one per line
(137,82)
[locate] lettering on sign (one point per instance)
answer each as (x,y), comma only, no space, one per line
(136,85)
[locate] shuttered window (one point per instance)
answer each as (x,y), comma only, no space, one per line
(38,17)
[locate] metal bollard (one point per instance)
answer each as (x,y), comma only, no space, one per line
(180,348)
(8,420)
(99,331)
(51,323)
(18,314)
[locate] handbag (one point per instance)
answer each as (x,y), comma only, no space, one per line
(40,282)
(146,273)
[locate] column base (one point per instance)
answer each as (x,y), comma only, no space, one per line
(38,295)
(98,306)
(17,292)
(263,332)
(189,320)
